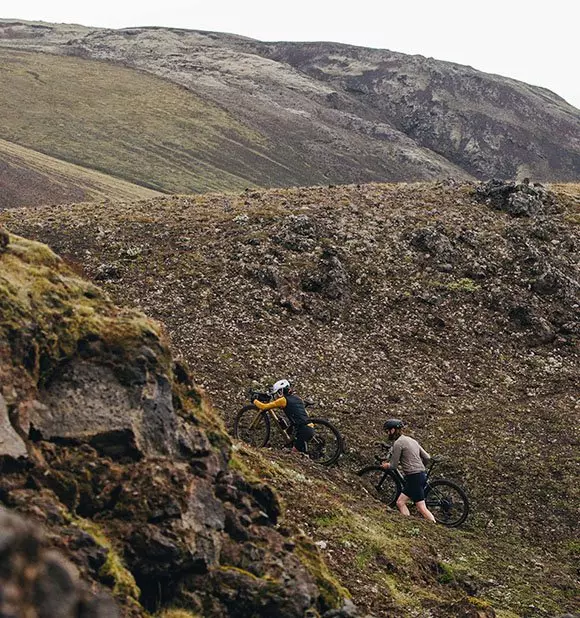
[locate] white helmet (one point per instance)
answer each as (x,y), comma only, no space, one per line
(279,386)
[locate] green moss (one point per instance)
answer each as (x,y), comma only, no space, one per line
(176,613)
(332,592)
(124,584)
(574,548)
(463,285)
(447,574)
(401,599)
(506,613)
(460,285)
(479,603)
(572,217)
(47,310)
(233,569)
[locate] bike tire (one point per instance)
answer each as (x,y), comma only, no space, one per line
(259,436)
(384,485)
(447,501)
(327,445)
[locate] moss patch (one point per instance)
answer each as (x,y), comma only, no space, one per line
(331,591)
(124,584)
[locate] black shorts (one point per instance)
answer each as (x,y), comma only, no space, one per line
(415,486)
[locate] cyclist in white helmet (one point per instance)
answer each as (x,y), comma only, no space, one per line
(295,410)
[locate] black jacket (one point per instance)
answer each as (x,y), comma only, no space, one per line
(295,410)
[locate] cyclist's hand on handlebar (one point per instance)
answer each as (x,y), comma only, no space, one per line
(386,465)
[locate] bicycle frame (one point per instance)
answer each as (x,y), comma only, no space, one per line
(272,413)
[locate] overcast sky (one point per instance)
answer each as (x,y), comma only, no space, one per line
(530,40)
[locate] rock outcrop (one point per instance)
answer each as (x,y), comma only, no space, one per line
(36,581)
(107,443)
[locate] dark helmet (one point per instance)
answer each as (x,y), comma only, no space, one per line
(393,423)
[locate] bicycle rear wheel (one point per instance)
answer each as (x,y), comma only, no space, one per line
(381,484)
(447,501)
(326,446)
(252,426)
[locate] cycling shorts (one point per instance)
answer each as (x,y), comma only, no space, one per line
(415,486)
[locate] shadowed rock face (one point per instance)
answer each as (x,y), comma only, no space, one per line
(108,444)
(37,581)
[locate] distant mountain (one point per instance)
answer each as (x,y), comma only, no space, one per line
(232,112)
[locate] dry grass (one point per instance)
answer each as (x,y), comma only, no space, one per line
(31,178)
(119,121)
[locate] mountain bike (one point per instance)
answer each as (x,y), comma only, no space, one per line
(254,427)
(444,498)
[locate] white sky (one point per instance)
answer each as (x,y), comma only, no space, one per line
(536,41)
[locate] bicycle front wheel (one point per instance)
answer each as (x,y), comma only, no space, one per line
(447,501)
(326,446)
(381,484)
(252,426)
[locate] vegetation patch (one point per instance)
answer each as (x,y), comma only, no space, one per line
(123,582)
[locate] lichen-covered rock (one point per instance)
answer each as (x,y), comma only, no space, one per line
(109,444)
(517,199)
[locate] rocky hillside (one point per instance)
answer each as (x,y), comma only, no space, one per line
(107,444)
(249,113)
(451,305)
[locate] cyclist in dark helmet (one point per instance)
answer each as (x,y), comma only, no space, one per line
(410,458)
(293,406)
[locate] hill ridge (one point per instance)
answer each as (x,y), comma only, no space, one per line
(329,113)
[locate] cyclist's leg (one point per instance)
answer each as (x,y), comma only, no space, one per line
(419,498)
(303,435)
(415,490)
(402,504)
(422,508)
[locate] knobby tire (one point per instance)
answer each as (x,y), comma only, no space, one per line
(382,484)
(259,436)
(315,445)
(447,501)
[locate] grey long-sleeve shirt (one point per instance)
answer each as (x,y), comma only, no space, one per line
(409,456)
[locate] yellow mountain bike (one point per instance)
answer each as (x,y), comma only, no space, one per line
(254,427)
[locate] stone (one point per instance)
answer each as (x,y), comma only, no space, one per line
(35,581)
(11,444)
(86,402)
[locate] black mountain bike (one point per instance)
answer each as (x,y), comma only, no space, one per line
(445,499)
(254,427)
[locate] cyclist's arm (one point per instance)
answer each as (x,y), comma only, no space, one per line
(395,457)
(424,455)
(277,403)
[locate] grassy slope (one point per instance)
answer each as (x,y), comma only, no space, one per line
(30,178)
(143,129)
(249,290)
(398,567)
